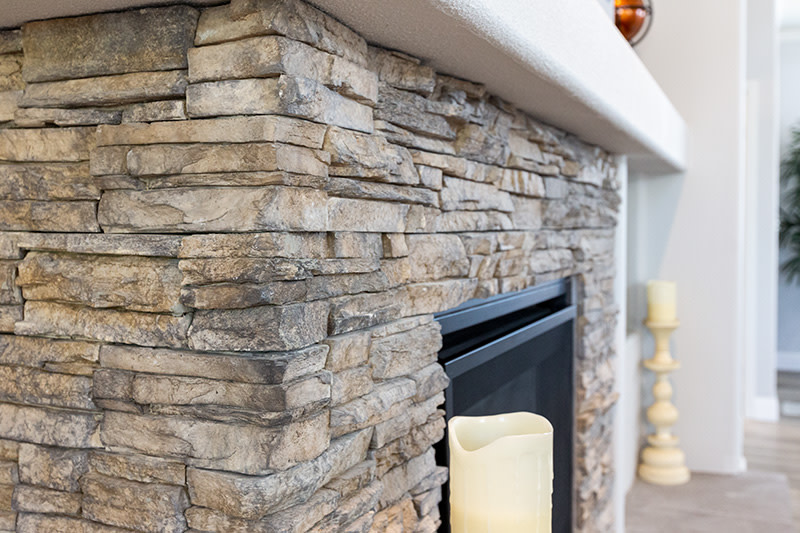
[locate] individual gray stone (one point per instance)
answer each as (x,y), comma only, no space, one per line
(267,368)
(102,244)
(48,181)
(147,507)
(402,71)
(298,97)
(350,188)
(404,420)
(433,257)
(288,245)
(213,210)
(528,213)
(37,117)
(398,481)
(266,128)
(11,72)
(292,18)
(435,296)
(9,292)
(349,384)
(35,352)
(9,316)
(347,214)
(430,381)
(134,283)
(467,221)
(8,473)
(141,468)
(406,352)
(260,328)
(155,111)
(34,215)
(521,182)
(109,160)
(8,105)
(358,505)
(10,41)
(110,43)
(32,386)
(42,500)
(430,177)
(368,156)
(359,311)
(109,325)
(61,144)
(459,195)
(412,112)
(236,447)
(242,270)
(387,400)
(52,427)
(271,55)
(347,351)
(106,90)
(255,497)
(355,245)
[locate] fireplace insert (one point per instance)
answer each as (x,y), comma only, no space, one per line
(515,353)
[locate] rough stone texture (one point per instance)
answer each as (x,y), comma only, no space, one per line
(223,233)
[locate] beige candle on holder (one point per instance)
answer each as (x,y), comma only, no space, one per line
(501,473)
(661,301)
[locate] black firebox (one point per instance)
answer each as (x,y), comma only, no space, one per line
(515,353)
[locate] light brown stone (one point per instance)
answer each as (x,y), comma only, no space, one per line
(397,518)
(402,72)
(424,298)
(398,481)
(9,292)
(102,244)
(110,43)
(522,182)
(8,473)
(298,97)
(349,384)
(467,221)
(259,329)
(35,523)
(213,210)
(135,283)
(62,144)
(359,311)
(11,72)
(8,105)
(155,111)
(34,215)
(41,500)
(10,41)
(54,181)
(106,90)
(53,427)
(386,400)
(35,352)
(148,507)
(346,214)
(271,368)
(527,213)
(411,111)
(460,195)
(289,245)
(54,468)
(291,18)
(404,353)
(37,117)
(109,325)
(138,468)
(368,156)
(433,257)
(357,506)
(347,351)
(9,316)
(254,497)
(350,188)
(31,386)
(268,128)
(430,177)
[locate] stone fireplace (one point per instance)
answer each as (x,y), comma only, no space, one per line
(224,233)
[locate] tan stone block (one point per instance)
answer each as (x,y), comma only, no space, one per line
(347,351)
(32,386)
(53,427)
(198,158)
(368,156)
(34,215)
(298,97)
(102,244)
(143,506)
(135,283)
(404,421)
(291,18)
(430,381)
(350,188)
(9,316)
(53,181)
(8,104)
(155,111)
(61,144)
(289,245)
(360,311)
(385,401)
(356,245)
(460,195)
(109,160)
(213,210)
(269,368)
(395,245)
(434,257)
(37,117)
(399,517)
(399,480)
(466,221)
(138,468)
(8,473)
(242,270)
(354,508)
(260,328)
(266,128)
(354,479)
(255,497)
(35,352)
(424,298)
(9,292)
(346,214)
(109,43)
(9,450)
(11,72)
(412,112)
(402,71)
(528,213)
(54,468)
(109,325)
(430,177)
(248,449)
(522,182)
(10,41)
(41,500)
(107,90)
(347,385)
(6,495)
(36,523)
(406,352)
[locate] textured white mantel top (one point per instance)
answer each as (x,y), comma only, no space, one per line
(563,61)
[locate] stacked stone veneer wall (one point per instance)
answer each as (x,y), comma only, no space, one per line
(224,233)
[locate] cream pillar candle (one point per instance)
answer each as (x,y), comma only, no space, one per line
(661,301)
(501,474)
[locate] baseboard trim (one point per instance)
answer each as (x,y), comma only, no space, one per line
(789,361)
(764,409)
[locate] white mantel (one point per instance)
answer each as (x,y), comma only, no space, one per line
(564,62)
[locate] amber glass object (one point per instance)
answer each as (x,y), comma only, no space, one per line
(632,16)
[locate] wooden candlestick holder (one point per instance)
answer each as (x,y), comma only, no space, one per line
(663,463)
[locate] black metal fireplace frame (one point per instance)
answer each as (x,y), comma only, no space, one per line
(479,331)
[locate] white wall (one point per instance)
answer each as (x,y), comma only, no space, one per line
(789,295)
(761,208)
(690,226)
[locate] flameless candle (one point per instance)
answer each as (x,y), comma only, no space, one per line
(661,301)
(501,473)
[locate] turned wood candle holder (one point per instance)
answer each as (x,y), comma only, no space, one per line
(663,463)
